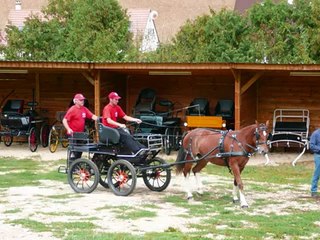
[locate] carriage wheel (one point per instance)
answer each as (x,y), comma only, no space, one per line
(103,165)
(7,140)
(122,178)
(166,142)
(64,138)
(53,140)
(158,178)
(32,140)
(44,135)
(176,138)
(83,176)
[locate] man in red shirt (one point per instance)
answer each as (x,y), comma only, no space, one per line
(74,120)
(111,113)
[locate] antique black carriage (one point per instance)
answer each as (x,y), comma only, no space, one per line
(164,122)
(290,129)
(109,165)
(15,123)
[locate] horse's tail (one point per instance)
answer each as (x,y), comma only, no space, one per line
(180,158)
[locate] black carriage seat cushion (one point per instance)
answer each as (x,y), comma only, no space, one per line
(108,135)
(286,137)
(146,100)
(291,127)
(225,108)
(203,107)
(13,106)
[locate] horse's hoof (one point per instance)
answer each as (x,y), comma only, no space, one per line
(244,206)
(190,199)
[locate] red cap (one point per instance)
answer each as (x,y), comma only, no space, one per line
(79,96)
(114,95)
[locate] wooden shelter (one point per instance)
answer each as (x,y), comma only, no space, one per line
(257,89)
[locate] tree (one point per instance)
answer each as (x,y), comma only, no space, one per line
(73,30)
(268,33)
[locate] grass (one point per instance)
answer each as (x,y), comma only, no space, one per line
(215,213)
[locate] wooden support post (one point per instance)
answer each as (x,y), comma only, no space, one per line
(37,89)
(237,98)
(97,84)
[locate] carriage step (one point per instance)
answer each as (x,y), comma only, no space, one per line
(63,169)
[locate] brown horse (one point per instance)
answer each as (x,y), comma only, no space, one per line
(224,148)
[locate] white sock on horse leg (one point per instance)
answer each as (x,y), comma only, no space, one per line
(198,183)
(187,186)
(235,192)
(243,202)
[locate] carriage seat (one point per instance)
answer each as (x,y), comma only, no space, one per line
(225,109)
(108,135)
(13,106)
(199,106)
(145,102)
(291,127)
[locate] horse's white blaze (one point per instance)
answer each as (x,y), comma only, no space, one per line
(264,133)
(243,202)
(235,191)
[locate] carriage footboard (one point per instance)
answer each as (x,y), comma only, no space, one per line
(152,141)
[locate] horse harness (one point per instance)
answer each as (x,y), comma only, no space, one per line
(226,155)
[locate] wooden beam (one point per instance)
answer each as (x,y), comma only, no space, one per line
(251,81)
(37,89)
(97,85)
(88,77)
(237,98)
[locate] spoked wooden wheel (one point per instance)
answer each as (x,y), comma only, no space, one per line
(122,178)
(32,140)
(44,135)
(53,140)
(103,165)
(64,138)
(83,176)
(167,141)
(176,137)
(158,178)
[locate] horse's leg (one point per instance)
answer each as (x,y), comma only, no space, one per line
(187,185)
(236,172)
(235,192)
(196,171)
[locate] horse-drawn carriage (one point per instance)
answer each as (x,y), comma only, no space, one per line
(290,129)
(165,123)
(17,123)
(109,165)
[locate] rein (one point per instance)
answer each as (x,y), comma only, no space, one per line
(227,155)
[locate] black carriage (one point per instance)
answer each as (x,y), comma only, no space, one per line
(166,123)
(109,164)
(15,123)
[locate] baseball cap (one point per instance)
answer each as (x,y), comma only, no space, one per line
(79,96)
(114,95)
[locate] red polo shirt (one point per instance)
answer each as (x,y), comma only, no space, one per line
(77,116)
(113,112)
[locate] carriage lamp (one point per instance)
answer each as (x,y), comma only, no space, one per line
(224,124)
(185,124)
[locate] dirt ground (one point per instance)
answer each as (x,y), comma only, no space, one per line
(36,203)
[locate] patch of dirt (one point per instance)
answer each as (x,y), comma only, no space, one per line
(42,203)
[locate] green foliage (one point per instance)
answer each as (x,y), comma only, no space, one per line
(97,30)
(74,30)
